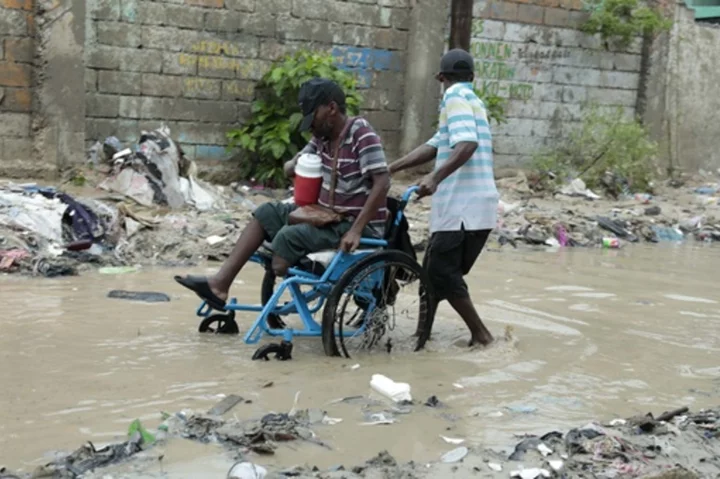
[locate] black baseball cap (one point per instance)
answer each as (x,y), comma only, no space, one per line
(457,60)
(317,92)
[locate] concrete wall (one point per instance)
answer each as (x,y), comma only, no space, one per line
(194,63)
(16,92)
(683,100)
(531,53)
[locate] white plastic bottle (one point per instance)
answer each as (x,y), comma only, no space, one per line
(390,389)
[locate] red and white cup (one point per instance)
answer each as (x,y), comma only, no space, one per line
(308,179)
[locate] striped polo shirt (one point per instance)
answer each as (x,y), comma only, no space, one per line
(468,197)
(361,156)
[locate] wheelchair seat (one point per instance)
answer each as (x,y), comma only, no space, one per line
(308,262)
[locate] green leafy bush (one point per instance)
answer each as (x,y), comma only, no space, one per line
(625,20)
(607,151)
(271,136)
(495,107)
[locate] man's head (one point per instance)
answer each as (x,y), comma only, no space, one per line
(322,103)
(456,66)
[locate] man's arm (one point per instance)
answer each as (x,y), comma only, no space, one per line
(371,157)
(463,136)
(377,198)
(419,156)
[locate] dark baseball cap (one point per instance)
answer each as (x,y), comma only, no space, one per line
(317,92)
(457,60)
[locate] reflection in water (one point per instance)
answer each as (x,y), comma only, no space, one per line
(596,333)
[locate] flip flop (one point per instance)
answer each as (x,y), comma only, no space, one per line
(199,285)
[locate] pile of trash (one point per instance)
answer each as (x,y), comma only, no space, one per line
(156,173)
(675,444)
(154,204)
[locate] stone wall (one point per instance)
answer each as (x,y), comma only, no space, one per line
(683,100)
(16,73)
(531,52)
(194,63)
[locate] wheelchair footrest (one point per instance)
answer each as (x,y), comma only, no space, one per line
(282,350)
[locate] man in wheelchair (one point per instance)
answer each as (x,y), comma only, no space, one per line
(360,195)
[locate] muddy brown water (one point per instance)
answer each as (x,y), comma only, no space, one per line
(597,334)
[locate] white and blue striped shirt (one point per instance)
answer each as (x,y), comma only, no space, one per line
(468,197)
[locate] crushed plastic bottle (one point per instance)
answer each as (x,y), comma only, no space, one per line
(395,391)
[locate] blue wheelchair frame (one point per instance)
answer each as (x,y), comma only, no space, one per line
(301,302)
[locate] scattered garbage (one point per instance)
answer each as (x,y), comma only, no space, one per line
(672,444)
(495,466)
(452,440)
(117,270)
(225,405)
(246,470)
(395,391)
(577,187)
(455,455)
(146,296)
(611,243)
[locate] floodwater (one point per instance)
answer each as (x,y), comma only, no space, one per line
(596,334)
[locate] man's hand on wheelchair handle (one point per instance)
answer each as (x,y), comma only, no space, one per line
(350,241)
(427,186)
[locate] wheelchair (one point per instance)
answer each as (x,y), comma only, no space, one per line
(358,293)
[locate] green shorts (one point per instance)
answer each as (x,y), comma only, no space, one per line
(293,242)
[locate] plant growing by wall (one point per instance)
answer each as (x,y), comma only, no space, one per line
(495,106)
(607,151)
(271,136)
(624,20)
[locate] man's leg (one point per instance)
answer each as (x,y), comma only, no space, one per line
(426,317)
(473,244)
(267,220)
(293,242)
(447,263)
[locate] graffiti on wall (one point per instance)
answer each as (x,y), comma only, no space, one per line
(364,61)
(496,64)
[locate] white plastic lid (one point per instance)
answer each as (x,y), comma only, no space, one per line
(309,165)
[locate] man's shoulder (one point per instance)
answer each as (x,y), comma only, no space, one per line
(362,124)
(362,130)
(461,92)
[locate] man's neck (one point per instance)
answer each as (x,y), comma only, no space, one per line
(339,127)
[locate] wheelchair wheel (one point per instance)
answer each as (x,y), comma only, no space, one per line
(362,308)
(219,324)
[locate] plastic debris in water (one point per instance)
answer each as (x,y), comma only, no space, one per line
(530,473)
(331,421)
(544,450)
(555,464)
(395,391)
(495,466)
(452,440)
(618,422)
(117,270)
(455,455)
(522,409)
(246,470)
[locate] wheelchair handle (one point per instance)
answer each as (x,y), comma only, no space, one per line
(408,193)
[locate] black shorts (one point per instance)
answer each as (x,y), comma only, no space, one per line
(450,256)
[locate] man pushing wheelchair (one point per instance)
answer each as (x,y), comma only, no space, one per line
(352,202)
